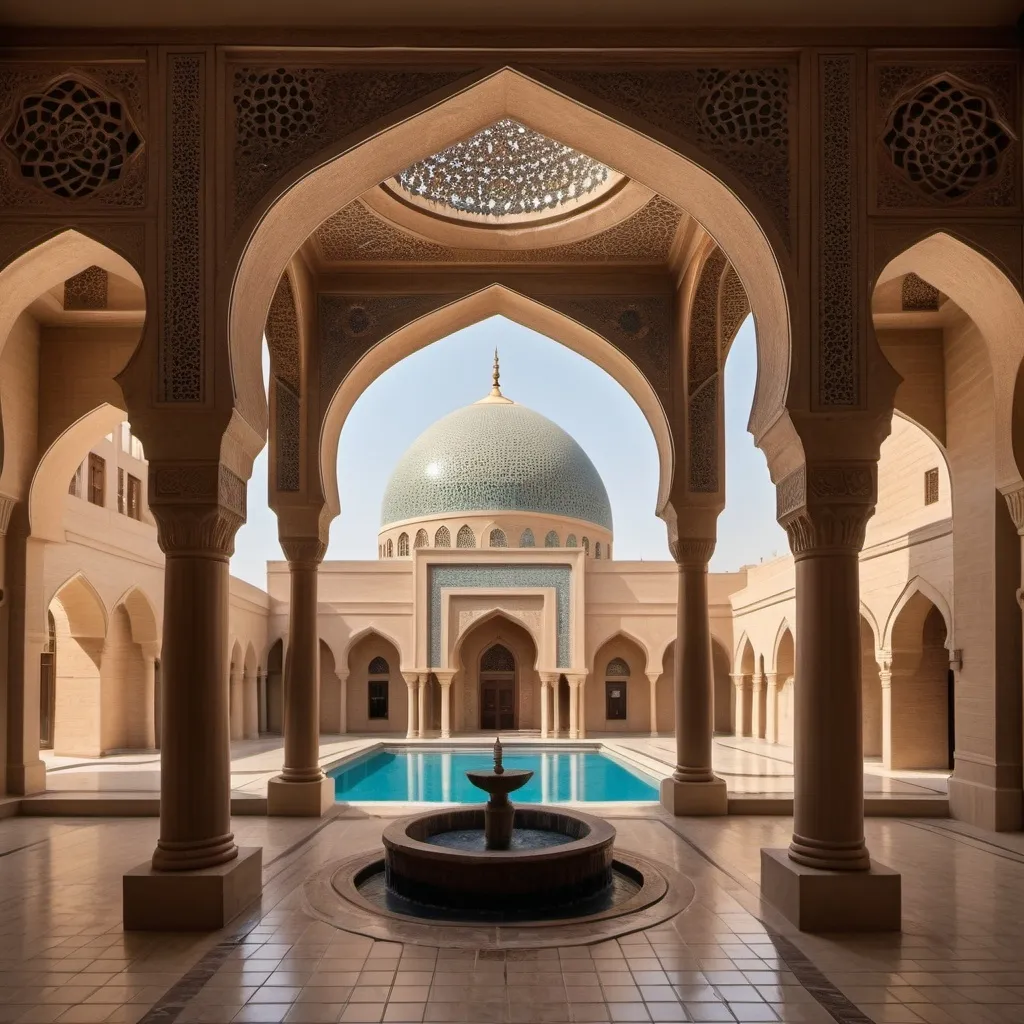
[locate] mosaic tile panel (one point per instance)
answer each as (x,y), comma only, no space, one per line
(495,457)
(465,577)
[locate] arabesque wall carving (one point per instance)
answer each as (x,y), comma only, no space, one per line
(357,235)
(702,360)
(944,135)
(282,116)
(50,113)
(87,290)
(741,116)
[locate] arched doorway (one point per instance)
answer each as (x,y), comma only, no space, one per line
(498,689)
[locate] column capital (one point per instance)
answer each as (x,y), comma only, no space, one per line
(198,507)
(7,504)
(303,552)
(692,552)
(826,506)
(1015,503)
(574,678)
(757,681)
(411,679)
(549,678)
(444,678)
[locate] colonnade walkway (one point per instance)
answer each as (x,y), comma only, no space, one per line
(64,956)
(758,774)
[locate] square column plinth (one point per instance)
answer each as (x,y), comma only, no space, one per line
(300,799)
(831,901)
(699,799)
(191,901)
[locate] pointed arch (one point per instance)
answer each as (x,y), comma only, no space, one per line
(918,585)
(490,616)
(83,606)
(739,655)
(869,617)
(443,537)
(985,293)
(780,635)
(50,480)
(141,614)
(669,164)
(251,663)
(235,659)
(649,664)
(494,300)
(362,634)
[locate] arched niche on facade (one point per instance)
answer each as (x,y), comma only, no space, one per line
(315,189)
(992,302)
(494,300)
(785,671)
(331,691)
(487,631)
(372,658)
(619,663)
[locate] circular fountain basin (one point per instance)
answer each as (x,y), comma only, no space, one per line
(557,857)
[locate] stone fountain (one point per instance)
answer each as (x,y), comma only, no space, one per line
(499,858)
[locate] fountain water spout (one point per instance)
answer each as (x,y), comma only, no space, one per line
(499,813)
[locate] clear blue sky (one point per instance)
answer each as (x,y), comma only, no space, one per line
(565,387)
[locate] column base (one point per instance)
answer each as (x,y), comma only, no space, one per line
(831,901)
(26,779)
(694,798)
(300,799)
(191,901)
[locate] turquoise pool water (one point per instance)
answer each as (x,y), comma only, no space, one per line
(439,776)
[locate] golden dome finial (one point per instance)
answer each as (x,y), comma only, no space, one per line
(495,378)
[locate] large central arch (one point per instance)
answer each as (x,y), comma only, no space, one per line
(495,300)
(339,175)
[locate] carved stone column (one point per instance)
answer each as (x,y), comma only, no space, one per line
(556,725)
(693,787)
(652,678)
(421,705)
(581,703)
(741,719)
(444,680)
(411,684)
(827,863)
(250,705)
(236,699)
(885,678)
(302,788)
(771,725)
(197,877)
(150,652)
(343,716)
(575,682)
(757,725)
(545,707)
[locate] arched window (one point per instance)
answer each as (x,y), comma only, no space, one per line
(377,687)
(551,540)
(586,545)
(465,539)
(421,539)
(497,539)
(389,550)
(616,676)
(597,550)
(443,538)
(526,540)
(497,658)
(570,541)
(403,545)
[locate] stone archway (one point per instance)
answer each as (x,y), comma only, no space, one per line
(498,689)
(302,199)
(743,684)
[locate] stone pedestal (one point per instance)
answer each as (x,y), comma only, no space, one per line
(698,799)
(300,799)
(831,901)
(191,901)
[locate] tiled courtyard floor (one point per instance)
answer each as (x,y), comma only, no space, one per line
(960,959)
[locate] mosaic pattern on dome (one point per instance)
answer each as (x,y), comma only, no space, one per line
(504,169)
(466,577)
(495,458)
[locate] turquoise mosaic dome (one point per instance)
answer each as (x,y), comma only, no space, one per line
(495,456)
